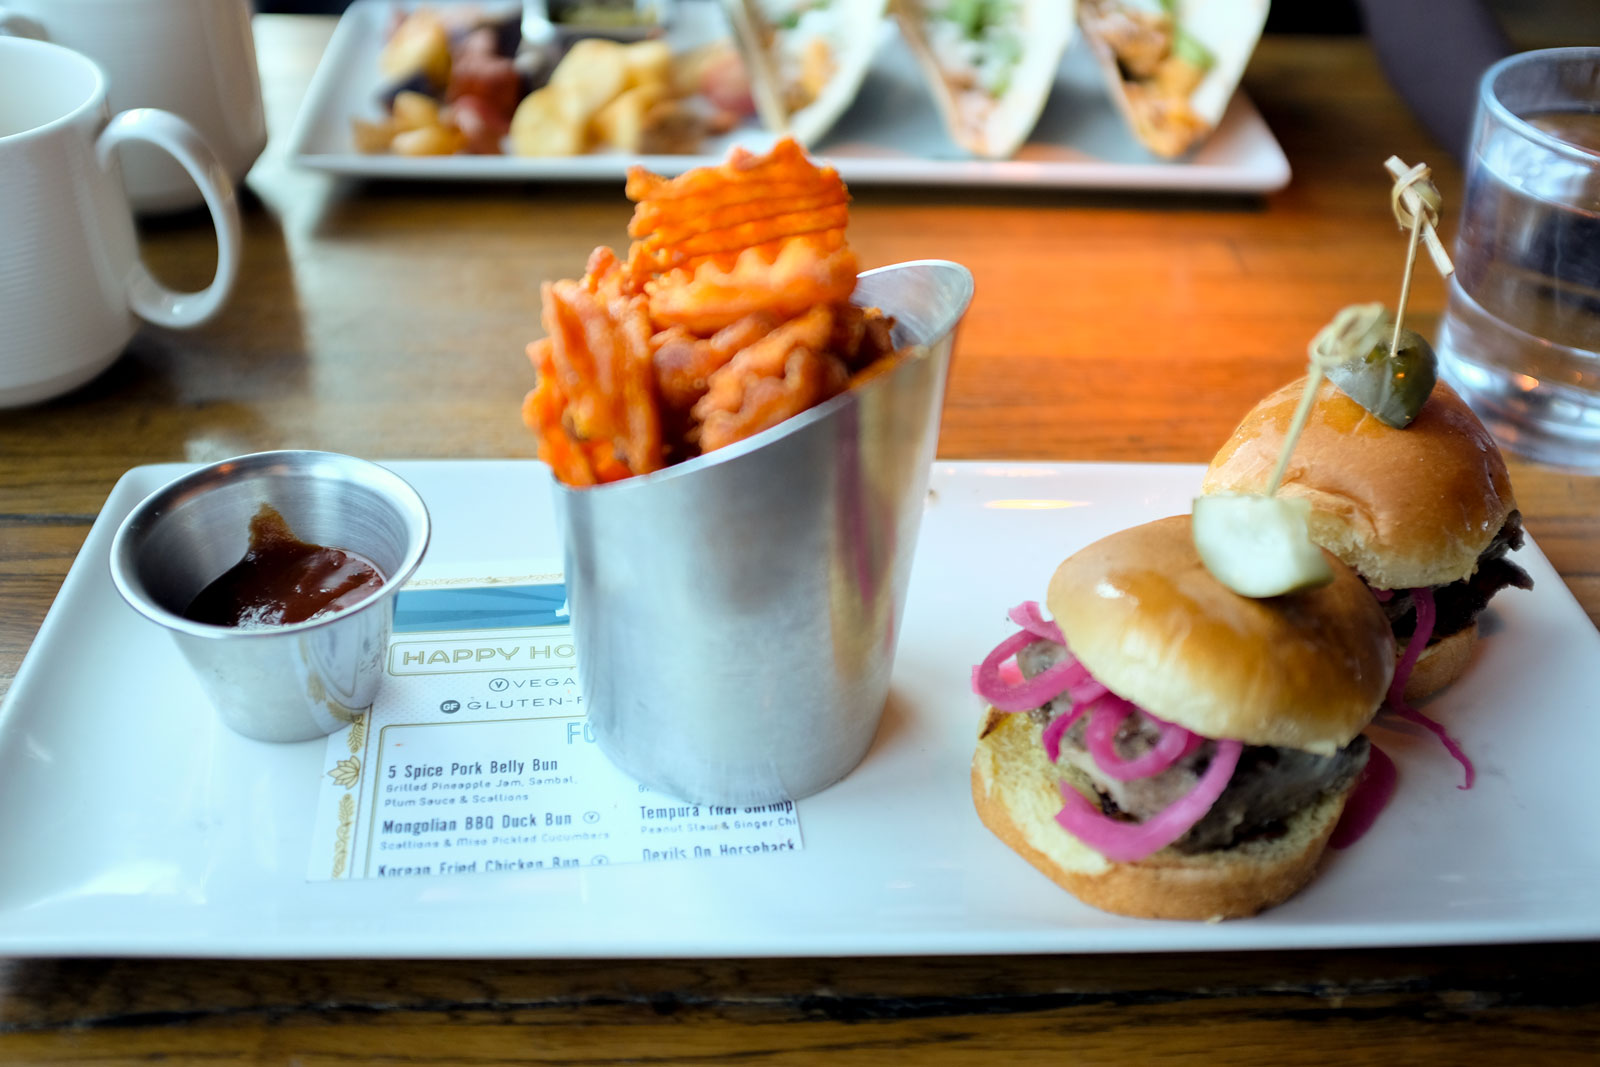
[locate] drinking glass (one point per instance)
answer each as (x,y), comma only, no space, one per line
(1521,334)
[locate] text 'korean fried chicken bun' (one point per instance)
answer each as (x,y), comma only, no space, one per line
(1293,678)
(1405,508)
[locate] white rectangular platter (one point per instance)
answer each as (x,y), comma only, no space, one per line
(131,822)
(892,135)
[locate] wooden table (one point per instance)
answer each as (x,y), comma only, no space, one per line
(389,320)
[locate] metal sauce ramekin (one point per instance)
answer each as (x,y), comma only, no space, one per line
(276,683)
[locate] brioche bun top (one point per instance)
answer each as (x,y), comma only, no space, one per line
(1306,670)
(1405,508)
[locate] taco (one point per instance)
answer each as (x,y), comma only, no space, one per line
(816,54)
(990,64)
(1172,65)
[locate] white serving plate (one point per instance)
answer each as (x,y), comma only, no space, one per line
(134,824)
(892,135)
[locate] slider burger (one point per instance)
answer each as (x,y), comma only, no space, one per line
(1423,513)
(1167,748)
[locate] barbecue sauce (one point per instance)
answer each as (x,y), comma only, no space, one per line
(282,579)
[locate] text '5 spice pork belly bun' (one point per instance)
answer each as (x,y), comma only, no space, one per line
(1424,514)
(1172,749)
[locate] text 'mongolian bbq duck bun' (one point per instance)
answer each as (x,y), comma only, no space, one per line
(1425,513)
(1190,755)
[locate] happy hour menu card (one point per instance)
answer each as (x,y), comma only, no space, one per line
(476,758)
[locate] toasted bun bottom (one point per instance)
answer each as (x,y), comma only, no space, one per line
(1015,790)
(1441,664)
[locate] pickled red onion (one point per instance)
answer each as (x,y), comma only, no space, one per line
(1367,800)
(1107,715)
(1426,617)
(1383,595)
(1026,615)
(1087,691)
(987,673)
(1130,842)
(1411,714)
(1041,688)
(1051,738)
(1082,697)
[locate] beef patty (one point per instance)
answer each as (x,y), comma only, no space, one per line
(1458,604)
(1268,786)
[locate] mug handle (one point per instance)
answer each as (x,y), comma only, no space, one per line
(150,299)
(15,25)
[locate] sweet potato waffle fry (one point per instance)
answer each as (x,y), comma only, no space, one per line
(782,280)
(731,313)
(782,374)
(747,201)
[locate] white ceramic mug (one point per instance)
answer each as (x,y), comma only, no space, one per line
(194,58)
(70,277)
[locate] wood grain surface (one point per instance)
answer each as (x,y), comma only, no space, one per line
(1438,1006)
(388,320)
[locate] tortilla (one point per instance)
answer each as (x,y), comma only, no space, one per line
(817,53)
(1172,98)
(990,64)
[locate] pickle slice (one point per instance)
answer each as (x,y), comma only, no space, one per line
(1394,389)
(1258,546)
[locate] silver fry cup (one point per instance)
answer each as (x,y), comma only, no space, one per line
(736,615)
(279,683)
